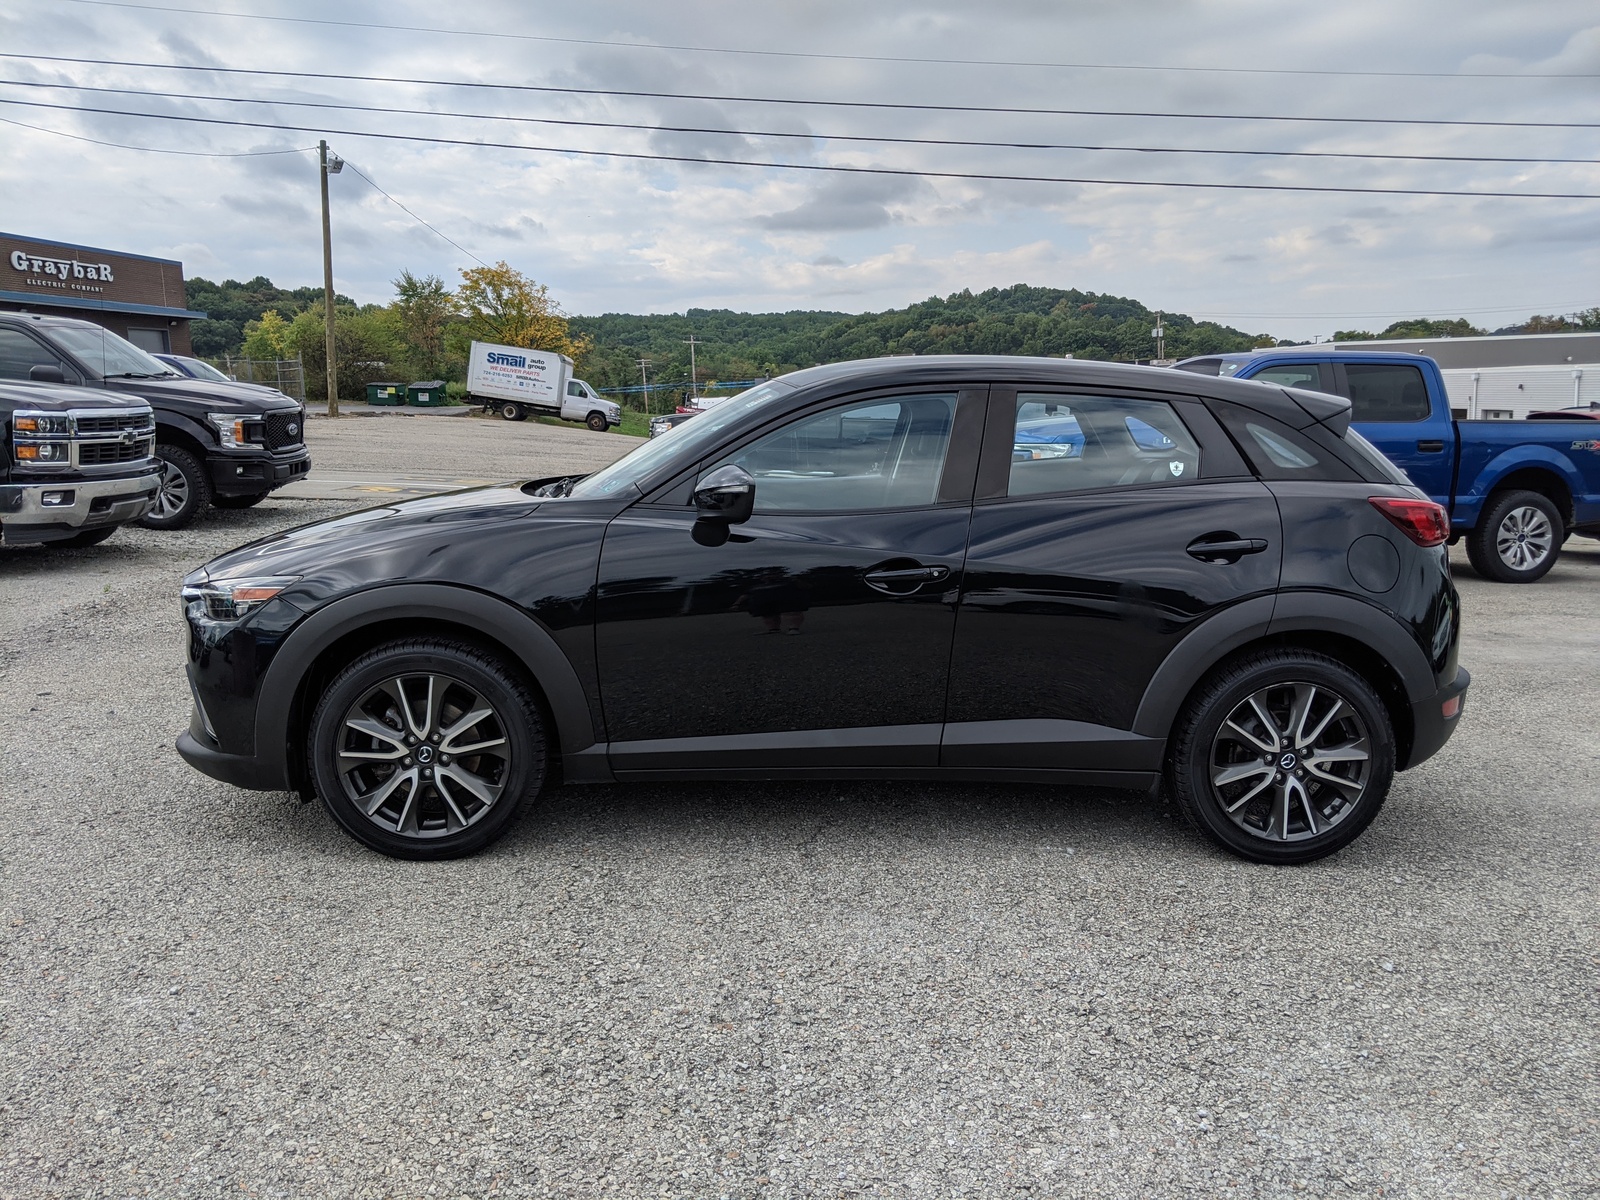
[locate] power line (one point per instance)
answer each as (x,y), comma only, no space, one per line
(789,134)
(641,156)
(78,137)
(503,35)
(795,102)
(413,215)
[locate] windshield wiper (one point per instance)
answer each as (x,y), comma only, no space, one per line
(138,375)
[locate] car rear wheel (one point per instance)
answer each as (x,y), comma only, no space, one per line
(427,749)
(1283,757)
(1518,538)
(597,422)
(513,412)
(182,493)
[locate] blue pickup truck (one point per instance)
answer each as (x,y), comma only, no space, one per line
(1515,490)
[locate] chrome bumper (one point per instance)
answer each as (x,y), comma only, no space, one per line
(59,507)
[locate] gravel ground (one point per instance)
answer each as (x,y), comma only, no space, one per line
(761,990)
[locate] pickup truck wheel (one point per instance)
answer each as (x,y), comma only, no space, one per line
(1283,757)
(597,422)
(79,541)
(513,412)
(1518,538)
(183,493)
(239,501)
(427,748)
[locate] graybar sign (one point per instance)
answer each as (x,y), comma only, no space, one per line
(59,268)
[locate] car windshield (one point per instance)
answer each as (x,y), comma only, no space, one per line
(105,352)
(685,440)
(204,370)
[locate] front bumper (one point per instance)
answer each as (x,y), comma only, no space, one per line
(1431,727)
(245,473)
(46,512)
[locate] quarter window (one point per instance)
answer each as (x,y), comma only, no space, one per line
(880,454)
(1277,452)
(1065,443)
(1387,392)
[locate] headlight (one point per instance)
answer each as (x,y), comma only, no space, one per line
(46,424)
(233,599)
(236,432)
(51,454)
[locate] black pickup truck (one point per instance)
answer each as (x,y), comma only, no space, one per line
(73,465)
(227,444)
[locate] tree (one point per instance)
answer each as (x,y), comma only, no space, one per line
(266,338)
(423,310)
(363,340)
(500,304)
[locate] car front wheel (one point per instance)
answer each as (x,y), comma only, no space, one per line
(597,422)
(1283,757)
(183,492)
(427,749)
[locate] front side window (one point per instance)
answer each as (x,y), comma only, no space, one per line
(1387,392)
(1065,443)
(19,354)
(575,389)
(871,455)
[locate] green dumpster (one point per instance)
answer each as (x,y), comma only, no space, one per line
(428,394)
(386,393)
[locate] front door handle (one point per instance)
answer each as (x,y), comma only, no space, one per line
(1430,447)
(1224,547)
(902,581)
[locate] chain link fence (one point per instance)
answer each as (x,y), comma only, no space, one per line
(288,375)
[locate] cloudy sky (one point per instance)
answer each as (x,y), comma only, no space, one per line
(634,235)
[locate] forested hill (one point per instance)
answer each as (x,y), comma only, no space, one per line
(1014,320)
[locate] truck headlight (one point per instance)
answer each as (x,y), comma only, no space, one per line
(54,454)
(236,432)
(43,423)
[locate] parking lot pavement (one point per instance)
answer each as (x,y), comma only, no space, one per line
(844,989)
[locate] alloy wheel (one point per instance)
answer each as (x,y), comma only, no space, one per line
(173,493)
(1524,539)
(423,755)
(1290,762)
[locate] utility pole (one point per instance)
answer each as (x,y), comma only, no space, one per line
(1160,334)
(331,165)
(694,379)
(644,378)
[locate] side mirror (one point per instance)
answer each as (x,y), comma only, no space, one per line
(46,374)
(727,495)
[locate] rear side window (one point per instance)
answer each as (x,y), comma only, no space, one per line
(1278,452)
(1067,443)
(1298,375)
(1387,392)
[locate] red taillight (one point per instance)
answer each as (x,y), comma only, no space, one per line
(1423,521)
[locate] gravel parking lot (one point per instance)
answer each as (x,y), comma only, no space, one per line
(760,990)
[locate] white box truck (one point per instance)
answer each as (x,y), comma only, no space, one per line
(515,381)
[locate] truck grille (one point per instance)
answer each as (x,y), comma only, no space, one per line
(285,429)
(138,421)
(102,454)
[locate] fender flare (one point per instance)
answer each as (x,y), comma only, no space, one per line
(1268,616)
(536,651)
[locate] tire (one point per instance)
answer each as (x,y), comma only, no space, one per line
(80,541)
(513,412)
(597,422)
(1221,734)
(239,501)
(454,805)
(183,493)
(1517,539)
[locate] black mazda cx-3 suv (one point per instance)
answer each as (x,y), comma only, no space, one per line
(915,568)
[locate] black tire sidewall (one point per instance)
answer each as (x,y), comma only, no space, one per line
(597,422)
(1203,717)
(1483,552)
(508,694)
(194,472)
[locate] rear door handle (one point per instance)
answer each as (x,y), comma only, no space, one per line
(1430,447)
(902,581)
(1214,548)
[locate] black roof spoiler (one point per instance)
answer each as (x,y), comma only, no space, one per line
(1332,411)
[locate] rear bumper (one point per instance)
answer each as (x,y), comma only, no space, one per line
(43,512)
(1431,727)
